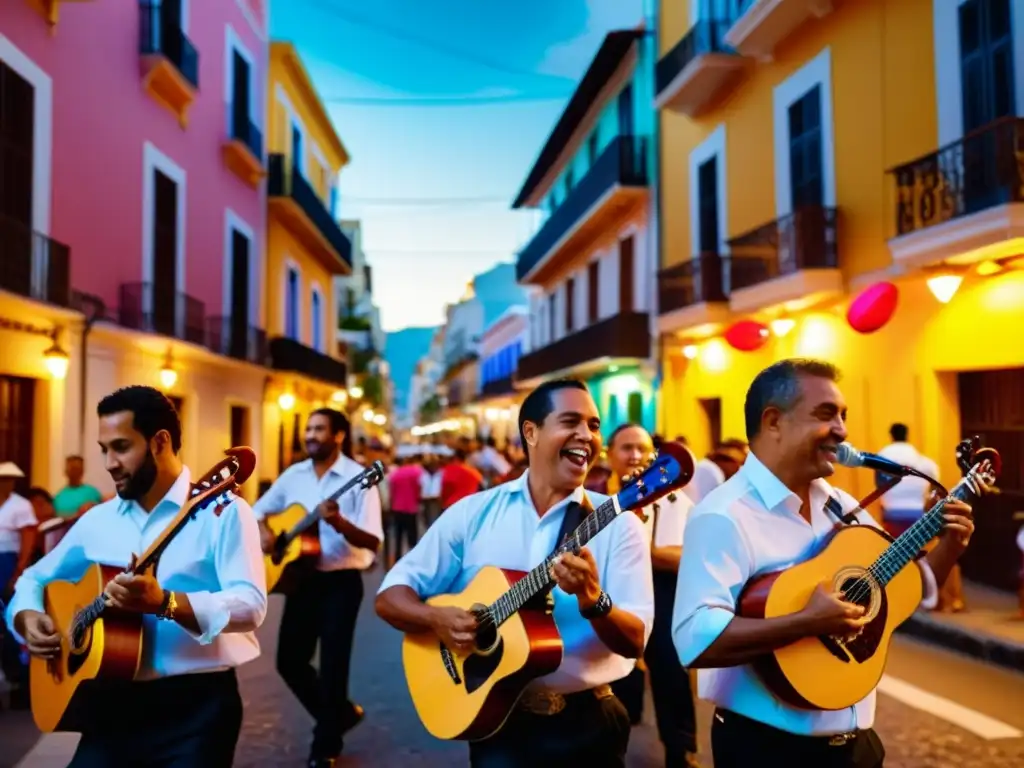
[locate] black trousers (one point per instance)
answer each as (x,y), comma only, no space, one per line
(674,708)
(739,742)
(403,525)
(184,721)
(322,608)
(589,732)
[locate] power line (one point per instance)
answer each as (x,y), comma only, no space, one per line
(443,101)
(416,201)
(401,34)
(439,252)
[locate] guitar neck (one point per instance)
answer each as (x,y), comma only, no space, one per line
(539,579)
(913,540)
(312,517)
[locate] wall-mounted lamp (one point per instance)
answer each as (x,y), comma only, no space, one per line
(339,397)
(355,392)
(690,351)
(782,325)
(56,359)
(944,286)
(286,401)
(168,376)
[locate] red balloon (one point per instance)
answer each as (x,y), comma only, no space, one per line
(747,335)
(873,308)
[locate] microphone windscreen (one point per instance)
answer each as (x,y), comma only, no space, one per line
(848,456)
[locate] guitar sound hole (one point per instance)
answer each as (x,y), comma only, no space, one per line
(486,637)
(857,591)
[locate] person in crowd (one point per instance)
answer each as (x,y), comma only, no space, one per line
(77,496)
(717,467)
(405,489)
(458,480)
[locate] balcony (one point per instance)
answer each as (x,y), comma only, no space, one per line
(176,315)
(50,9)
(295,203)
(169,62)
(699,71)
(498,387)
(692,294)
(33,265)
(604,196)
(963,203)
(238,340)
(289,355)
(793,261)
(243,150)
(761,25)
(625,337)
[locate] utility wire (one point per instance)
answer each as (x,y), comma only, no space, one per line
(417,201)
(443,101)
(405,35)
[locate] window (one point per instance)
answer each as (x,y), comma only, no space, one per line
(552,333)
(240,92)
(635,408)
(239,425)
(570,295)
(592,148)
(593,290)
(569,180)
(17,100)
(805,156)
(986,62)
(333,202)
(317,320)
(707,205)
(291,304)
(298,150)
(626,274)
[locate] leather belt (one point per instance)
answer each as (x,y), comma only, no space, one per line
(551,703)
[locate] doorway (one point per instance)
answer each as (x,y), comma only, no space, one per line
(17,136)
(712,408)
(238,343)
(239,425)
(17,409)
(163,291)
(992,407)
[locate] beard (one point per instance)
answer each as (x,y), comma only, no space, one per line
(138,483)
(319,451)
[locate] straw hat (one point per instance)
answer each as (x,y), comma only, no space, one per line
(10,469)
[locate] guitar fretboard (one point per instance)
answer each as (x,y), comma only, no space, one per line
(913,540)
(539,579)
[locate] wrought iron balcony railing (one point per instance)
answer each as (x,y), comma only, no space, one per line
(145,307)
(286,181)
(240,341)
(33,265)
(157,36)
(690,282)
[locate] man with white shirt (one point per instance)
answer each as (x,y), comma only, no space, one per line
(715,468)
(200,612)
(774,513)
(325,603)
(630,448)
(603,601)
(904,503)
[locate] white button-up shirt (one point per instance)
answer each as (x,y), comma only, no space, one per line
(500,527)
(667,526)
(706,477)
(214,559)
(299,485)
(15,513)
(905,500)
(749,526)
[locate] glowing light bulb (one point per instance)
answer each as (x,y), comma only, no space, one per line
(690,351)
(286,401)
(56,361)
(168,377)
(782,325)
(944,287)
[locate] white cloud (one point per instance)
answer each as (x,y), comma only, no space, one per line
(570,58)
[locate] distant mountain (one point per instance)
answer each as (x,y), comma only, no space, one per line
(403,349)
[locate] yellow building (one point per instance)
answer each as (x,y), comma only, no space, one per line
(812,149)
(306,249)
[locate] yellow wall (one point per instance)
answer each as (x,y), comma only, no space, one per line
(884,114)
(905,372)
(281,247)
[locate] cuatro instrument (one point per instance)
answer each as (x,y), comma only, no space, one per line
(870,569)
(99,642)
(470,696)
(297,535)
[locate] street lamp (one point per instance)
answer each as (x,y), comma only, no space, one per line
(56,360)
(168,376)
(286,401)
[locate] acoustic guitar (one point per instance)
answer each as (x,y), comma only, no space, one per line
(103,643)
(873,571)
(297,535)
(470,696)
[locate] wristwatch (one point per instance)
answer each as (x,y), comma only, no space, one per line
(602,607)
(168,607)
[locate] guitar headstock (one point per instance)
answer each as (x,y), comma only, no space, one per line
(671,468)
(372,475)
(983,463)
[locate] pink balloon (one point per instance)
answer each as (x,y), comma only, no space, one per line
(747,335)
(873,307)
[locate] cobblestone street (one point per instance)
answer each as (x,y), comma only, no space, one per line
(935,707)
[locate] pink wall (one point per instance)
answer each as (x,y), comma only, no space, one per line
(102,118)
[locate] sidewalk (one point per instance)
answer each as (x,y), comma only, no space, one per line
(989,629)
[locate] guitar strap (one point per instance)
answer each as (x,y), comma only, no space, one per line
(835,508)
(574,514)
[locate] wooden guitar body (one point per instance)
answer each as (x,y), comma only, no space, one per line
(470,697)
(281,576)
(829,673)
(110,648)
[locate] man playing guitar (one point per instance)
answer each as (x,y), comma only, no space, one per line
(324,605)
(183,708)
(603,604)
(772,514)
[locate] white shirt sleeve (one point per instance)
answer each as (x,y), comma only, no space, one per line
(432,566)
(274,500)
(628,576)
(241,603)
(671,521)
(22,514)
(365,512)
(714,568)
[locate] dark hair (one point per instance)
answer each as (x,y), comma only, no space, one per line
(339,423)
(538,405)
(459,454)
(151,411)
(899,432)
(74,457)
(734,442)
(37,492)
(623,428)
(778,386)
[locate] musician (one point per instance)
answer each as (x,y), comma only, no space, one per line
(772,514)
(630,447)
(603,601)
(200,614)
(325,604)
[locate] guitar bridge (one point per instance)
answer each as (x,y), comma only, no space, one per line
(449,664)
(837,648)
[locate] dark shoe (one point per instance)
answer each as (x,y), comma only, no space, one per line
(355,717)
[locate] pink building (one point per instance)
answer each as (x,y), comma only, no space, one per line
(134,138)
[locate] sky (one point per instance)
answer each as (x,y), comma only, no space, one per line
(433,182)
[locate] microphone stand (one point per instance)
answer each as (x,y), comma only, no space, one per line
(894,480)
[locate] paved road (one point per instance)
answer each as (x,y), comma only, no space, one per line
(938,710)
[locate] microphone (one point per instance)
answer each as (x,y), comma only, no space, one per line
(848,456)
